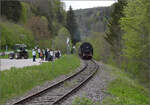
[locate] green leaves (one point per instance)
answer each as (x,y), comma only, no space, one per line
(72,26)
(60,40)
(115,33)
(136,25)
(12,34)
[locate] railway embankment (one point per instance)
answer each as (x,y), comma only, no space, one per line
(18,81)
(111,86)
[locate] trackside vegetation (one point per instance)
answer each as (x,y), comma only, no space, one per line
(122,90)
(16,82)
(125,90)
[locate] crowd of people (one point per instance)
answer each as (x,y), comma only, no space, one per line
(46,54)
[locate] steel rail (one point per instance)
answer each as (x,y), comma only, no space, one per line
(53,86)
(77,87)
(58,84)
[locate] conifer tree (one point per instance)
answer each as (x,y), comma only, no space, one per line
(114,34)
(72,26)
(11,9)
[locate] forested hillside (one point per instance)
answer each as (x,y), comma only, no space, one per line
(92,20)
(34,23)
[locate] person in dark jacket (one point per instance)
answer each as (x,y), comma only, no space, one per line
(46,55)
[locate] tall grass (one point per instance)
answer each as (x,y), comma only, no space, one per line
(125,91)
(16,82)
(3,57)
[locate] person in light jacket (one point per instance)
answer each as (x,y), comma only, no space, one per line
(34,55)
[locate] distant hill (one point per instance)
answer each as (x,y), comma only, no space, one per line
(92,20)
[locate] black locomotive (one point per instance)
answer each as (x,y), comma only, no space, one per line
(86,51)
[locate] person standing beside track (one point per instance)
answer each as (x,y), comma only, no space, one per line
(46,54)
(39,51)
(34,55)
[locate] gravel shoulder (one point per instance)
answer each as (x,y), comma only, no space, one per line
(6,64)
(95,89)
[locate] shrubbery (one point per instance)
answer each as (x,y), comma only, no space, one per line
(12,34)
(101,48)
(60,41)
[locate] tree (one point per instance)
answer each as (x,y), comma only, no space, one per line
(61,39)
(137,36)
(12,34)
(11,9)
(114,34)
(39,27)
(72,26)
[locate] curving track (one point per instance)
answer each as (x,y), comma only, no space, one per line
(55,94)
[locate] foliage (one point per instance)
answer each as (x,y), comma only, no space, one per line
(136,37)
(25,12)
(124,90)
(92,20)
(33,76)
(60,41)
(10,31)
(72,26)
(39,27)
(11,10)
(43,17)
(114,33)
(100,46)
(83,101)
(52,10)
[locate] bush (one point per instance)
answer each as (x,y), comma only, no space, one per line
(12,34)
(39,26)
(100,46)
(60,40)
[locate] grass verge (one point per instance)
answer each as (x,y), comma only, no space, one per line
(4,57)
(16,82)
(125,91)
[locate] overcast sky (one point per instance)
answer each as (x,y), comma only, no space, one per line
(82,4)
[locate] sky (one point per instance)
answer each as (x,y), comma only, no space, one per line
(83,4)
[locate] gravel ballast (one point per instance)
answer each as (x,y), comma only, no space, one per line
(95,89)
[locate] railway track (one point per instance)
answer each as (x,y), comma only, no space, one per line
(57,93)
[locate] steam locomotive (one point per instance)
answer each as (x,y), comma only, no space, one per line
(86,51)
